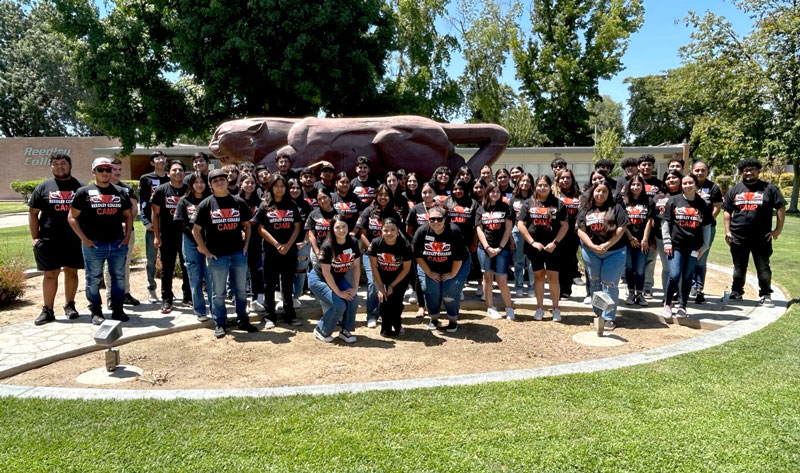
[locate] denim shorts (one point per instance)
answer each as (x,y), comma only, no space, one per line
(499,264)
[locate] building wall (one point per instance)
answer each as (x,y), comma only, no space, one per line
(29,158)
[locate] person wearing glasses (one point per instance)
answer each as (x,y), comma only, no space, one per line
(441,183)
(442,255)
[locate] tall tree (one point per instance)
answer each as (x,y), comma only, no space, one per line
(38,91)
(605,114)
(608,146)
(655,111)
(573,44)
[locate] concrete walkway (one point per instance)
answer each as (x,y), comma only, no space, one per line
(24,346)
(13,220)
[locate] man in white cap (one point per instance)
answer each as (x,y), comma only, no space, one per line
(101,217)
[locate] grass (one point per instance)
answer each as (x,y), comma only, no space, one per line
(12,207)
(726,409)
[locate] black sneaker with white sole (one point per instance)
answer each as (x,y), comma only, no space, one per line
(130,300)
(247,327)
(70,311)
(219,331)
(452,326)
(46,316)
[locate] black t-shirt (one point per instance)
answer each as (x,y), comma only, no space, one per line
(166,197)
(441,194)
(751,209)
(53,198)
(543,219)
(710,193)
(390,258)
(592,221)
(311,198)
(653,186)
(147,184)
(222,220)
(364,190)
(401,204)
(372,220)
(413,198)
(101,209)
(254,202)
(184,214)
(493,220)
(319,222)
(349,207)
(304,207)
(188,176)
(573,205)
(439,251)
(417,217)
(321,185)
(660,206)
(279,219)
(462,214)
(686,220)
(638,214)
(343,259)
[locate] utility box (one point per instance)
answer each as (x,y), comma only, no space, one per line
(109,332)
(602,301)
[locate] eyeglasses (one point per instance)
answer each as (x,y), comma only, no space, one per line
(102,169)
(436,219)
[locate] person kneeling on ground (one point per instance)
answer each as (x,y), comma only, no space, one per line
(390,258)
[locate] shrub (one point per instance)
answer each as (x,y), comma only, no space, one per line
(134,185)
(25,188)
(724,183)
(787,192)
(12,282)
(786,180)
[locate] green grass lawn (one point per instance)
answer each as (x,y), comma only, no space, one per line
(731,408)
(12,207)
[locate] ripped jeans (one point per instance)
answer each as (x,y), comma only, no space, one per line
(604,273)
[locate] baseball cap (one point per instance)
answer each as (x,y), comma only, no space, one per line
(101,162)
(217,173)
(327,166)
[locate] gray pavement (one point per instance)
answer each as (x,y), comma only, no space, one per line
(13,220)
(24,346)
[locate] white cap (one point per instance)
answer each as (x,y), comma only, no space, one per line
(100,162)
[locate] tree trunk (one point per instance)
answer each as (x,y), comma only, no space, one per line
(795,186)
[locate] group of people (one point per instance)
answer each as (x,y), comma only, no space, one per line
(244,233)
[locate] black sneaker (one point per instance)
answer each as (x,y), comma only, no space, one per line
(166,307)
(699,298)
(119,314)
(735,296)
(247,327)
(452,326)
(187,302)
(46,316)
(70,311)
(219,331)
(130,300)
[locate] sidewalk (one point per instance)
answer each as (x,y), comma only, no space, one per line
(13,220)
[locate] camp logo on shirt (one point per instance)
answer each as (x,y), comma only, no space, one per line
(281,218)
(341,263)
(440,198)
(661,204)
(61,200)
(422,219)
(322,227)
(105,204)
(571,204)
(312,202)
(191,209)
(388,262)
(460,214)
(594,220)
(636,213)
(748,200)
(650,189)
(172,203)
(517,205)
(705,194)
(493,220)
(688,217)
(541,216)
(347,208)
(375,225)
(225,219)
(437,251)
(366,194)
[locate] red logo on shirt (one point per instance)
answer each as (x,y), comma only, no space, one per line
(388,262)
(342,262)
(105,199)
(688,217)
(747,201)
(493,220)
(225,214)
(61,200)
(636,214)
(437,251)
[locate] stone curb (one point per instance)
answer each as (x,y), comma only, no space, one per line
(759,318)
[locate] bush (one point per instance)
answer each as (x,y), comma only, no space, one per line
(787,192)
(724,183)
(25,188)
(786,180)
(12,282)
(134,185)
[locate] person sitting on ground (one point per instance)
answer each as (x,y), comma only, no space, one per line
(390,259)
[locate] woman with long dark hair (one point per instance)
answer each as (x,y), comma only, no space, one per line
(601,224)
(279,224)
(542,222)
(196,265)
(522,192)
(399,201)
(413,192)
(503,178)
(303,248)
(334,282)
(465,174)
(417,217)
(390,261)
(516,172)
(494,223)
(672,186)
(640,212)
(461,210)
(686,231)
(441,183)
(251,194)
(567,191)
(318,222)
(368,228)
(346,202)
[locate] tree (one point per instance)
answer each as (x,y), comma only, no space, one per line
(608,146)
(605,114)
(655,111)
(522,127)
(38,92)
(574,44)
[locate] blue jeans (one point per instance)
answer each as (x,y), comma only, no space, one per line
(604,273)
(333,306)
(218,270)
(635,262)
(94,258)
(372,293)
(448,292)
(498,264)
(699,278)
(681,271)
(198,271)
(303,260)
(521,262)
(151,254)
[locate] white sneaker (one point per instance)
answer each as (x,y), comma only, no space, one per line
(556,315)
(412,299)
(539,314)
(347,336)
(372,323)
(322,337)
(510,313)
(296,302)
(681,312)
(279,306)
(667,312)
(479,292)
(152,296)
(519,293)
(587,300)
(268,324)
(578,281)
(493,313)
(257,307)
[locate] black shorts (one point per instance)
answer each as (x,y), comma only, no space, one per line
(52,254)
(541,259)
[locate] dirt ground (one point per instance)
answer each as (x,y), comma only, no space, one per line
(283,357)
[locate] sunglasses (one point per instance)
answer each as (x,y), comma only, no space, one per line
(436,219)
(102,169)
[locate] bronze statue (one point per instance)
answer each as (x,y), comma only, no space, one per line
(413,143)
